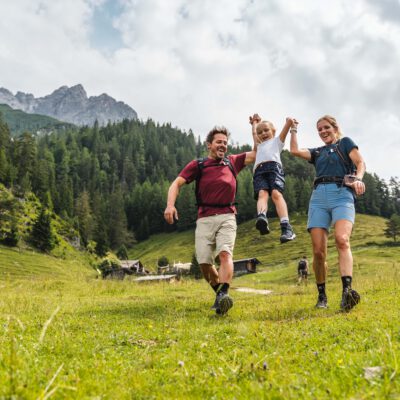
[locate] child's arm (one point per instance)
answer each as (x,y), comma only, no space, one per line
(254,121)
(285,130)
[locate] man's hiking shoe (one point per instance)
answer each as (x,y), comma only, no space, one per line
(215,305)
(287,232)
(262,224)
(322,302)
(225,303)
(350,298)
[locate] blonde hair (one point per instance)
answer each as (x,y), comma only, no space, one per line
(332,121)
(260,125)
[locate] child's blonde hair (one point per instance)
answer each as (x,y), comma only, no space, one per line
(262,124)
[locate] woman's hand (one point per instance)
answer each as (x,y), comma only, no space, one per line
(358,186)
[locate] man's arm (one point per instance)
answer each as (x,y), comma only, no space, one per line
(171,213)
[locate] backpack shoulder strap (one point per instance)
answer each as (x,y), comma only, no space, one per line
(350,168)
(227,161)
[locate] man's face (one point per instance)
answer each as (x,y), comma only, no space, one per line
(218,147)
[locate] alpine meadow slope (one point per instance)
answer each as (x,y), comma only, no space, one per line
(71,336)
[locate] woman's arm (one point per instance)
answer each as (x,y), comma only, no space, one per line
(358,161)
(358,185)
(294,146)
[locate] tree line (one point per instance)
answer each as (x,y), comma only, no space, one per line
(111,182)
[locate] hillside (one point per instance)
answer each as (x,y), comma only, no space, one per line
(67,335)
(22,263)
(368,233)
(19,121)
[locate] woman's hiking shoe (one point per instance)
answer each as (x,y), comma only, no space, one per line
(287,232)
(262,224)
(350,298)
(322,302)
(225,303)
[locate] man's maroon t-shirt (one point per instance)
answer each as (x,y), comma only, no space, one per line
(217,183)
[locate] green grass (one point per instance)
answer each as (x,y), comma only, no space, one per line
(68,335)
(368,232)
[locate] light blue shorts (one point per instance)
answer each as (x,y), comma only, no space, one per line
(328,204)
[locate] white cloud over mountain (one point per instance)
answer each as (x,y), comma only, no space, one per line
(201,63)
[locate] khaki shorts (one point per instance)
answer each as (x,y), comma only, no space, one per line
(214,234)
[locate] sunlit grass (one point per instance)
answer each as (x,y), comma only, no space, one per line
(67,335)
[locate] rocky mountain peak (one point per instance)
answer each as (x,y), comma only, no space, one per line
(71,104)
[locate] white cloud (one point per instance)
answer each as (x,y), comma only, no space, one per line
(204,62)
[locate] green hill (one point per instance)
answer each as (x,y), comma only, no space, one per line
(367,234)
(67,335)
(19,121)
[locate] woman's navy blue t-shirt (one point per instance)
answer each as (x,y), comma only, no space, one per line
(328,162)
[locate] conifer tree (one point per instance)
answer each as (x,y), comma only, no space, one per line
(42,235)
(393,227)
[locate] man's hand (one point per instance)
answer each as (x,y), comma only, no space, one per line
(171,214)
(255,119)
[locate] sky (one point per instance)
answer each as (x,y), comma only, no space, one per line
(200,63)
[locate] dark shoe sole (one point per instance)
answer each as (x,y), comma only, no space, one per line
(225,304)
(351,300)
(262,226)
(287,239)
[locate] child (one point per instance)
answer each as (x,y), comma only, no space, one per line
(268,179)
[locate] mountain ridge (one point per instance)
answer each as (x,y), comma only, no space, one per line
(70,104)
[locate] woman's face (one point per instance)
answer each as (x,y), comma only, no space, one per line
(326,131)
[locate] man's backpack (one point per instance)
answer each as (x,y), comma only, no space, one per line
(201,165)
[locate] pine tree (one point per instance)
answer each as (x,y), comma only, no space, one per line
(42,235)
(393,227)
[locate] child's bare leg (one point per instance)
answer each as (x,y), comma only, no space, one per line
(280,204)
(282,211)
(262,206)
(262,202)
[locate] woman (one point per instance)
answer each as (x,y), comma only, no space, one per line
(332,203)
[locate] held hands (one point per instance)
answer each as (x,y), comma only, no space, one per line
(293,124)
(255,119)
(171,214)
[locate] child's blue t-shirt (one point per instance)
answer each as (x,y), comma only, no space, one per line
(328,162)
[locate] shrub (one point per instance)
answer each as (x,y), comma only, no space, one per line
(108,264)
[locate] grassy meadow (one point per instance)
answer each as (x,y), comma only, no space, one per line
(67,335)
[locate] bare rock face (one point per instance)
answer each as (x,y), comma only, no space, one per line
(71,105)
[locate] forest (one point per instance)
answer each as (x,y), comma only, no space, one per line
(110,183)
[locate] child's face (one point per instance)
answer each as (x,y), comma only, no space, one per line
(265,131)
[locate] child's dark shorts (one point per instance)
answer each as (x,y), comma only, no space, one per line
(268,176)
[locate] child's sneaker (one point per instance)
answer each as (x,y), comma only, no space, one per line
(287,232)
(262,224)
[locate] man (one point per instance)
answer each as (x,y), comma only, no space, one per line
(302,270)
(216,222)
